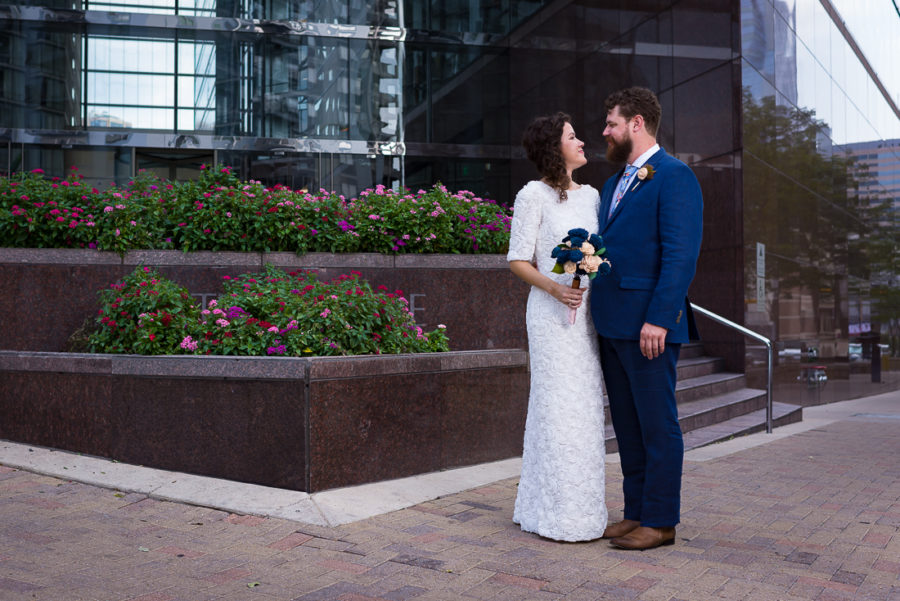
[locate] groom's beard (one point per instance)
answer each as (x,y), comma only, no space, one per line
(618,152)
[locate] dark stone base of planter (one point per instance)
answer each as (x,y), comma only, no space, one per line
(52,291)
(302,424)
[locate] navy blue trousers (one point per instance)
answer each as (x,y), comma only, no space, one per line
(645,417)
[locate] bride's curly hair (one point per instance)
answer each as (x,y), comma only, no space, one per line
(542,141)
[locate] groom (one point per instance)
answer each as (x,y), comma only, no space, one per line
(651,217)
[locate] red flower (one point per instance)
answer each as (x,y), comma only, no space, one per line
(152,337)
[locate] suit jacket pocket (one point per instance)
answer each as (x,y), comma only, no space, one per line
(633,282)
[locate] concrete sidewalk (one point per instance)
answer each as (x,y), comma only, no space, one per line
(810,512)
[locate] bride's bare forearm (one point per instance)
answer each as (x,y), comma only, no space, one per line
(529,274)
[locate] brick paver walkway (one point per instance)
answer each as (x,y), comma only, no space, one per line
(811,516)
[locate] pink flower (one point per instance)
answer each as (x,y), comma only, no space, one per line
(38,171)
(274,329)
(189,344)
(325,313)
(223,323)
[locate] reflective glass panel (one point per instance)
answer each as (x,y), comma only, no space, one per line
(758,36)
(305,83)
(456,94)
(141,83)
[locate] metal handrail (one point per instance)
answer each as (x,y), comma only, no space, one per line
(751,334)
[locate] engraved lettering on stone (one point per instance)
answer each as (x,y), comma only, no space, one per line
(414,306)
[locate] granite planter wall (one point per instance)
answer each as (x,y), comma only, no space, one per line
(305,424)
(46,294)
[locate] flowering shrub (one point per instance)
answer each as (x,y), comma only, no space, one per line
(144,314)
(221,212)
(271,313)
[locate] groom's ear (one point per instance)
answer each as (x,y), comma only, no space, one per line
(637,123)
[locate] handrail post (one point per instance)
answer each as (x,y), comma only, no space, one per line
(770,356)
(771,360)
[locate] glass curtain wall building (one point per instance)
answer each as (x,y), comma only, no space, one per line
(773,103)
(820,95)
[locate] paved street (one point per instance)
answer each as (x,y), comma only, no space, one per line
(811,515)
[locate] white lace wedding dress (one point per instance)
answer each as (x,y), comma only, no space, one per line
(562,486)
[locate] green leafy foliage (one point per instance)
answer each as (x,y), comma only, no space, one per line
(221,212)
(269,313)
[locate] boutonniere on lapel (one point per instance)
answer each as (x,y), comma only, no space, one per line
(644,173)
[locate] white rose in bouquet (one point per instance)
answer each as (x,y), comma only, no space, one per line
(590,263)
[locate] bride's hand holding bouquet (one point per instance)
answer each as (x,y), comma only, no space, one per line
(579,254)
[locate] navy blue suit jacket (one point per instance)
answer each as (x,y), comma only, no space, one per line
(652,240)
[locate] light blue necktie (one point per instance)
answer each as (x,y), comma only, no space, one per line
(620,189)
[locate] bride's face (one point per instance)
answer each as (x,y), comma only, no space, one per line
(572,149)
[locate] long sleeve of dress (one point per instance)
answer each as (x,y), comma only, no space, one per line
(525,227)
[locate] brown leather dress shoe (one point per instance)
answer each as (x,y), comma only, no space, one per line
(620,528)
(645,537)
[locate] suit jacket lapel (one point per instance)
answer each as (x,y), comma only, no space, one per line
(606,201)
(633,187)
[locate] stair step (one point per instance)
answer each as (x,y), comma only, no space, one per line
(693,367)
(755,421)
(716,409)
(691,389)
(701,387)
(782,415)
(690,350)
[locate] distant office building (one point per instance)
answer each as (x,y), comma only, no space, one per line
(879,175)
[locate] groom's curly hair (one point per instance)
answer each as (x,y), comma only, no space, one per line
(637,101)
(542,141)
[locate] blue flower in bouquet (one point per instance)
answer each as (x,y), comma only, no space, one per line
(565,254)
(581,253)
(576,237)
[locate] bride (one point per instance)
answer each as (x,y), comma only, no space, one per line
(562,486)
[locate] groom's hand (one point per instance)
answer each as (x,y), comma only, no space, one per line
(653,340)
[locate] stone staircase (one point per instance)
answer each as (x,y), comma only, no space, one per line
(715,405)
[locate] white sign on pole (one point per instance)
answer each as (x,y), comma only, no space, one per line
(760,259)
(760,293)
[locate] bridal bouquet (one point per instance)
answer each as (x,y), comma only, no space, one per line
(580,254)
